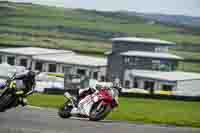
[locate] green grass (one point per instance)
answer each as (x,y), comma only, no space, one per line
(187,54)
(44,21)
(179,38)
(189,67)
(76,45)
(42,100)
(100,25)
(140,110)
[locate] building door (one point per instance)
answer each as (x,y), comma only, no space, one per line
(95,75)
(24,62)
(166,87)
(52,68)
(149,85)
(39,66)
(135,83)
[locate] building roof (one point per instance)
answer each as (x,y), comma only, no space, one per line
(169,76)
(151,54)
(30,51)
(142,40)
(73,59)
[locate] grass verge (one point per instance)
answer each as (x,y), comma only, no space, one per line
(177,113)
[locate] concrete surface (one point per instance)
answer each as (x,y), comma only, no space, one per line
(37,120)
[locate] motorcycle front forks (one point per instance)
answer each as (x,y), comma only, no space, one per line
(99,106)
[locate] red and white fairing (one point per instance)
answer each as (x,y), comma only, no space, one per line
(106,96)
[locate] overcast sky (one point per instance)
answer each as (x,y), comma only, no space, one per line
(185,7)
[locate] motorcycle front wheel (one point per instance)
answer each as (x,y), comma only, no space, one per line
(65,110)
(99,114)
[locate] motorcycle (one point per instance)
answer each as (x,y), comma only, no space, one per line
(95,106)
(16,89)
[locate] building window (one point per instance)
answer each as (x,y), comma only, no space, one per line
(38,66)
(11,60)
(127,84)
(95,75)
(81,72)
(167,87)
(23,62)
(52,68)
(136,61)
(163,65)
(156,64)
(148,85)
(161,49)
(127,60)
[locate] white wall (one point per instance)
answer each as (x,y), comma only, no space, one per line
(188,88)
(102,72)
(3,57)
(127,76)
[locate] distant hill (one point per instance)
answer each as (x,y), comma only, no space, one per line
(87,31)
(178,20)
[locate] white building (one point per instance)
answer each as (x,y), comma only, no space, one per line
(93,67)
(174,82)
(23,56)
(54,61)
(145,64)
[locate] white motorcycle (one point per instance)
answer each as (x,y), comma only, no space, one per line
(95,106)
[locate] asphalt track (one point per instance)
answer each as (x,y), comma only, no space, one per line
(37,120)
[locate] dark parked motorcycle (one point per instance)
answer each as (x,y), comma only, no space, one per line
(16,89)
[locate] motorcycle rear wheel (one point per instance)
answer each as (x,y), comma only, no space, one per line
(64,110)
(96,115)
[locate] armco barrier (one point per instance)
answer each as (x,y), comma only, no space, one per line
(54,91)
(136,95)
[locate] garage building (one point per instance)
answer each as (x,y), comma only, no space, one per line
(175,82)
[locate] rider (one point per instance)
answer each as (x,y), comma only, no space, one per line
(82,93)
